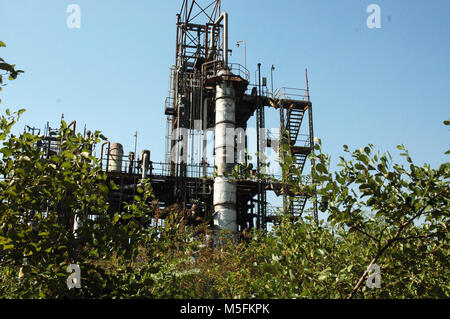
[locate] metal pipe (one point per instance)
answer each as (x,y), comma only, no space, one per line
(271,77)
(245,52)
(74,124)
(211,41)
(131,156)
(145,158)
(258,144)
(207,41)
(101,155)
(224,17)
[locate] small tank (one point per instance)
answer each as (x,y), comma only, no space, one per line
(115,158)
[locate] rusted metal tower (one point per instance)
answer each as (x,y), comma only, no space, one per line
(201,53)
(208,94)
(197,42)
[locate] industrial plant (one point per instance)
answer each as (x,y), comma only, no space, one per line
(208,95)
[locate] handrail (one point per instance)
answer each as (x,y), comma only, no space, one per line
(291,93)
(240,69)
(234,68)
(157,169)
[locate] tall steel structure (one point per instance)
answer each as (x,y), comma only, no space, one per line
(210,97)
(202,95)
(195,106)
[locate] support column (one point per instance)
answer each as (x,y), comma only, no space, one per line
(225,189)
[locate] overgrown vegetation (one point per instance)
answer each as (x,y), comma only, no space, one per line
(379,212)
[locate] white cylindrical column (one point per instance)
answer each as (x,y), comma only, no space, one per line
(144,158)
(224,188)
(115,158)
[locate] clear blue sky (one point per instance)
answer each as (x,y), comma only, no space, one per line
(383,86)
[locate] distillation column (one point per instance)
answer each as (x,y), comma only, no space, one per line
(224,188)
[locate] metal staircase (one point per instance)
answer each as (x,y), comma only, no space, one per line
(294,120)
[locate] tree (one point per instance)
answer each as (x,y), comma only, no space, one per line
(10,72)
(391,206)
(379,212)
(41,194)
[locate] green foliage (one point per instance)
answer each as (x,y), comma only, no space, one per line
(10,71)
(389,206)
(378,212)
(39,199)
